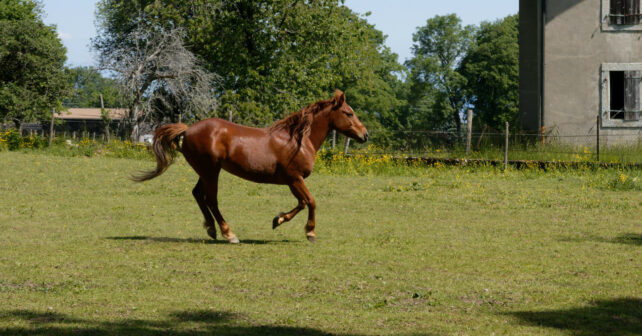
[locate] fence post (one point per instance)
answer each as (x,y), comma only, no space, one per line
(506,149)
(469,131)
(51,128)
(345,149)
(334,138)
(598,138)
(73,135)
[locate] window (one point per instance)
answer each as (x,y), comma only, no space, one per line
(624,12)
(621,95)
(624,93)
(621,15)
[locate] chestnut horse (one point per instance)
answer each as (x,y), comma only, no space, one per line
(280,154)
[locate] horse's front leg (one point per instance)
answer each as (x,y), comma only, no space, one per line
(301,192)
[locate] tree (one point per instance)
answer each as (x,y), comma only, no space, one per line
(435,94)
(491,68)
(32,76)
(159,76)
(274,56)
(88,85)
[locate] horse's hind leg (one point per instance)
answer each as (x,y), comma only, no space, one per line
(199,195)
(211,191)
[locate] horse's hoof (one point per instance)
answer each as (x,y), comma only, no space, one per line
(211,231)
(234,240)
(312,239)
(278,220)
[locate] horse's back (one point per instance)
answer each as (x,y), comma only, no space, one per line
(241,150)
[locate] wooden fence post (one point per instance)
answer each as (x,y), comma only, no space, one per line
(51,126)
(345,149)
(506,149)
(469,131)
(334,138)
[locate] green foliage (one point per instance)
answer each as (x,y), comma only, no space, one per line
(88,85)
(624,182)
(273,57)
(491,68)
(20,10)
(32,77)
(12,140)
(436,88)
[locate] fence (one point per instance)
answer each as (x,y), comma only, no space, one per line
(621,148)
(486,145)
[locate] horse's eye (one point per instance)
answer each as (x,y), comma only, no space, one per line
(349,114)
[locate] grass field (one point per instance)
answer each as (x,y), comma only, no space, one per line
(432,251)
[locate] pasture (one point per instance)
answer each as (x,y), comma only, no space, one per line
(428,251)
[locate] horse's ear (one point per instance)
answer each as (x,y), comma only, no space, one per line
(339,98)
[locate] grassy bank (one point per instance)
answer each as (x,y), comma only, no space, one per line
(428,251)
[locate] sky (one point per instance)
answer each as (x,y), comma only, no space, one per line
(398,19)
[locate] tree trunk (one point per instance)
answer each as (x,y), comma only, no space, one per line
(18,123)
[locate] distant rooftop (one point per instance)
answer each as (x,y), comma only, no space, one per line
(91,113)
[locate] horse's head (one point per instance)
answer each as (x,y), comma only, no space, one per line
(344,120)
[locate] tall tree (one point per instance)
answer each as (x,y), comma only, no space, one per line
(273,56)
(491,68)
(435,95)
(32,76)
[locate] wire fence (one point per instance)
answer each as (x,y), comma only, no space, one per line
(621,147)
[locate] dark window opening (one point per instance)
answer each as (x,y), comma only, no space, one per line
(624,95)
(624,12)
(617,94)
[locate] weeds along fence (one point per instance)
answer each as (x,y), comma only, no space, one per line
(492,147)
(503,147)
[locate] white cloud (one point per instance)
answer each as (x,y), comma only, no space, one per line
(64,36)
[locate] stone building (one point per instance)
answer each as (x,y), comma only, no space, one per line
(580,59)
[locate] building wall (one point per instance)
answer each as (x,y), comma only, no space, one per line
(578,41)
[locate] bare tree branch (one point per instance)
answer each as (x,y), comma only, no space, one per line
(160,77)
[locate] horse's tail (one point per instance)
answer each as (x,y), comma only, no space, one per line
(164,147)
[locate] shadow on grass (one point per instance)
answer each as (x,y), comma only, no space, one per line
(629,239)
(183,323)
(621,316)
(197,241)
(626,239)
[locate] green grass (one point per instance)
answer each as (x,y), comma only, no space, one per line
(431,251)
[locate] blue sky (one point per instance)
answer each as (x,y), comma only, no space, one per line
(398,19)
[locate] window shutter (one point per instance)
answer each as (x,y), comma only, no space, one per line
(631,12)
(631,95)
(617,12)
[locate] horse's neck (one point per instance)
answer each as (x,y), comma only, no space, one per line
(319,129)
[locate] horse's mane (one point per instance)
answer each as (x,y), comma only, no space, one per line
(299,124)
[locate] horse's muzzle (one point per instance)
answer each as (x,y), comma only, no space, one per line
(364,137)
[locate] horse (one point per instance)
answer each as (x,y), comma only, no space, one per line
(281,154)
